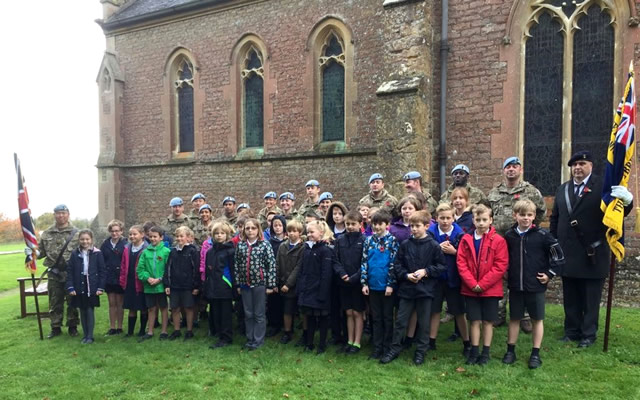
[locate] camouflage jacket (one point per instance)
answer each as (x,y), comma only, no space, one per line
(306,206)
(172,223)
(384,201)
(503,198)
(262,216)
(51,242)
(201,232)
(475,194)
(432,204)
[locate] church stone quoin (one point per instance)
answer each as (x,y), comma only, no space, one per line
(241,97)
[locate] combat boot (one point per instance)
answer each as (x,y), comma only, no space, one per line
(73,331)
(54,332)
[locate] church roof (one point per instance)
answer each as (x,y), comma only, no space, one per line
(137,11)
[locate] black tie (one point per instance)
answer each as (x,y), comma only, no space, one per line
(577,189)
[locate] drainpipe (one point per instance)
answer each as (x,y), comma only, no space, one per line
(444,52)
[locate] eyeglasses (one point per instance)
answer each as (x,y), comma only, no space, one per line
(251,227)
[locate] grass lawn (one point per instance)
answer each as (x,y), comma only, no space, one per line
(119,368)
(11,246)
(12,267)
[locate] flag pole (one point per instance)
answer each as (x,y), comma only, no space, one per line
(35,298)
(607,324)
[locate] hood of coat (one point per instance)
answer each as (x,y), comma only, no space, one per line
(329,216)
(280,218)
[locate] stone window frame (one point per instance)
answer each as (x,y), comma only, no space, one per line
(239,54)
(170,104)
(522,17)
(316,44)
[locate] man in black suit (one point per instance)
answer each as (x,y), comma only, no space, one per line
(576,221)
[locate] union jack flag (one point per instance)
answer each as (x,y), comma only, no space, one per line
(618,163)
(28,229)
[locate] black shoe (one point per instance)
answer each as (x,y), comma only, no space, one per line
(141,333)
(509,357)
(534,362)
(333,341)
(54,332)
(119,331)
(387,358)
(73,331)
(567,339)
(219,344)
(321,349)
(431,347)
(286,338)
(483,359)
(300,342)
(584,343)
(111,332)
(146,336)
(352,350)
(454,336)
(188,335)
(308,348)
(407,342)
(418,358)
(163,336)
(472,360)
(344,349)
(89,341)
(376,355)
(174,335)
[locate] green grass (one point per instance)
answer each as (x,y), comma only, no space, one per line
(12,267)
(11,246)
(119,368)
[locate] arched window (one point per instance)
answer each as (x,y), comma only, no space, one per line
(183,106)
(332,66)
(253,99)
(568,62)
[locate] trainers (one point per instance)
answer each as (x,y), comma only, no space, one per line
(418,358)
(509,358)
(164,336)
(73,331)
(525,325)
(483,359)
(188,335)
(144,337)
(174,335)
(534,362)
(286,338)
(54,332)
(387,358)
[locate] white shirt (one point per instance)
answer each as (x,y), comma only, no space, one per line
(584,184)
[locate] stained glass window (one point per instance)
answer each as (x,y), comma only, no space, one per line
(592,113)
(332,63)
(184,88)
(543,105)
(253,104)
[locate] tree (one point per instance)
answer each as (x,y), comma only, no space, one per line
(10,230)
(44,221)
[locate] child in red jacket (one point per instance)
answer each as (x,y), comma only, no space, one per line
(483,259)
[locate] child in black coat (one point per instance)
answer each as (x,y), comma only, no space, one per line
(182,280)
(218,282)
(348,259)
(112,250)
(85,281)
(314,282)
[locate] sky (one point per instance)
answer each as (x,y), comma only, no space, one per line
(49,106)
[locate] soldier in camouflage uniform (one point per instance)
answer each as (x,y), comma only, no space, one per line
(313,194)
(378,196)
(197,201)
(52,243)
(502,199)
(460,174)
(413,183)
(202,229)
(287,203)
(176,219)
(229,210)
(270,206)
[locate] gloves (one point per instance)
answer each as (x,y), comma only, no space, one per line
(28,251)
(622,193)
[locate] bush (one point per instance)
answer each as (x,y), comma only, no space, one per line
(10,230)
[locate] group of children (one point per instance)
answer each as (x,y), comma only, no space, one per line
(342,272)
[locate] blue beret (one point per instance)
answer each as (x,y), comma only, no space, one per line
(229,198)
(198,196)
(270,195)
(243,205)
(60,208)
(511,160)
(376,176)
(312,182)
(411,175)
(176,201)
(204,207)
(581,155)
(459,167)
(325,196)
(287,195)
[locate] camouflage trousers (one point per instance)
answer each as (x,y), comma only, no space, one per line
(57,297)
